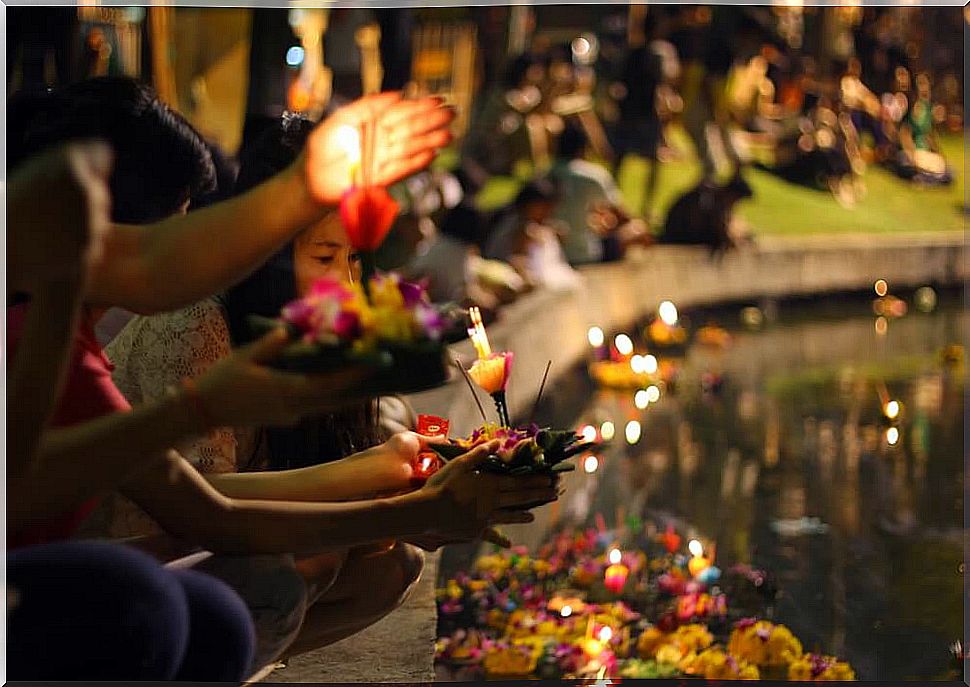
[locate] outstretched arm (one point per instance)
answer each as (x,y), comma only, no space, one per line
(167,265)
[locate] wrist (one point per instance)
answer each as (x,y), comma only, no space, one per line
(423,506)
(293,184)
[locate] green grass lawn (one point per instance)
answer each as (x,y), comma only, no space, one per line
(778,207)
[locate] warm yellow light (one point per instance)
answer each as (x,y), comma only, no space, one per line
(596,337)
(632,432)
(641,399)
(348,140)
(649,364)
(623,343)
(653,393)
(695,548)
(882,325)
(581,46)
(607,430)
(566,611)
(892,410)
(881,287)
(668,313)
(606,634)
(892,436)
(638,365)
(588,433)
(591,464)
(615,556)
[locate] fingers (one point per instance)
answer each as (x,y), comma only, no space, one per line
(526,497)
(475,457)
(425,440)
(366,107)
(512,517)
(404,110)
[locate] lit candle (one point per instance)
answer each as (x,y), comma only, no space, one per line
(348,139)
(616,574)
(697,564)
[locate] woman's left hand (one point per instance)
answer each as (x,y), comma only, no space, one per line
(389,466)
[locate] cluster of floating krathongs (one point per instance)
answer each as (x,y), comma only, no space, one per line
(586,606)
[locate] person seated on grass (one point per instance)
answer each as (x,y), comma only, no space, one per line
(591,205)
(82,597)
(702,216)
(920,157)
(526,235)
(456,504)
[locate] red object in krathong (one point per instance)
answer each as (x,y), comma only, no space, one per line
(367,213)
(428,462)
(671,540)
(615,578)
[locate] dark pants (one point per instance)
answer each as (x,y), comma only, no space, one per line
(100,611)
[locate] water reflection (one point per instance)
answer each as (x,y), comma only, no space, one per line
(785,461)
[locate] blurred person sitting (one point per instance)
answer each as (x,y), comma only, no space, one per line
(703,215)
(590,205)
(919,156)
(526,235)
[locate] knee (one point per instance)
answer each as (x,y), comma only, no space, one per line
(410,559)
(321,571)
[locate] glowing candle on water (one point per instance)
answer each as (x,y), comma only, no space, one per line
(607,430)
(591,464)
(624,344)
(668,313)
(588,433)
(566,611)
(697,564)
(596,337)
(892,410)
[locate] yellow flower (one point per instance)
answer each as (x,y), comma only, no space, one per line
(669,653)
(815,668)
(492,373)
(714,664)
(765,644)
(650,640)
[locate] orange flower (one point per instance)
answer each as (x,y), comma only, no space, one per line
(492,373)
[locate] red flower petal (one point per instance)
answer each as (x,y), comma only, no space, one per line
(367,214)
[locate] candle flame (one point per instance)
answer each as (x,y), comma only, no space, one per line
(615,556)
(566,611)
(348,139)
(695,548)
(606,634)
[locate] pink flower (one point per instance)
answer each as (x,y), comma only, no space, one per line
(347,326)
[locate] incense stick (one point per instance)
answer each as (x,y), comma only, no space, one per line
(542,386)
(471,388)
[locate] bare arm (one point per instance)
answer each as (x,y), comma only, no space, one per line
(380,470)
(161,267)
(65,475)
(38,369)
(455,502)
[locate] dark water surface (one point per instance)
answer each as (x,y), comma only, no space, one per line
(788,466)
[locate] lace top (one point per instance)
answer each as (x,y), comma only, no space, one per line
(150,355)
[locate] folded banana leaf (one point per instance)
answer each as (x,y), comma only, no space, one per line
(398,368)
(543,455)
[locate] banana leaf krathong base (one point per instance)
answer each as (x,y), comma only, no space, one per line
(534,451)
(397,367)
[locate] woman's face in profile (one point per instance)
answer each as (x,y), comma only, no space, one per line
(323,250)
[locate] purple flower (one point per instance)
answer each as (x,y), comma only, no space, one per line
(764,633)
(301,314)
(819,664)
(411,293)
(744,623)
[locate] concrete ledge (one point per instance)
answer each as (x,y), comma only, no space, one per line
(552,326)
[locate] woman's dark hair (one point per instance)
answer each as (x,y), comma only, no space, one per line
(315,440)
(160,161)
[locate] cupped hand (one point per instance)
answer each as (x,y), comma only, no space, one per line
(408,136)
(390,466)
(470,501)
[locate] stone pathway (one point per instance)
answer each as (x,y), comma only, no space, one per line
(399,648)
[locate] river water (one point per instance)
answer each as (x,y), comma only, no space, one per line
(778,448)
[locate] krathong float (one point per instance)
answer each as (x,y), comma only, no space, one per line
(391,327)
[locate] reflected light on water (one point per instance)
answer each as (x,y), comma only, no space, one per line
(623,343)
(588,433)
(882,325)
(641,399)
(632,432)
(892,410)
(591,464)
(892,436)
(607,430)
